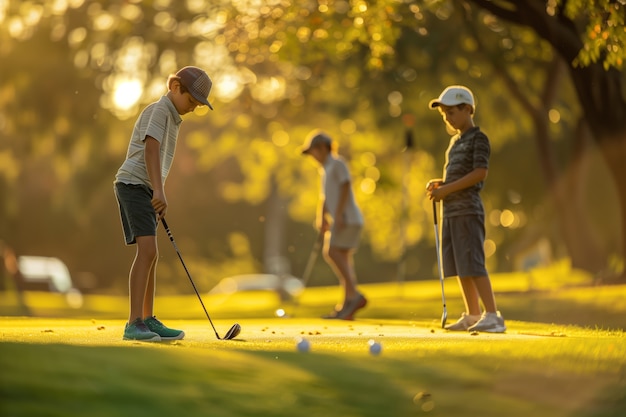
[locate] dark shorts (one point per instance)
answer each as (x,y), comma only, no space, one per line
(462,246)
(136,212)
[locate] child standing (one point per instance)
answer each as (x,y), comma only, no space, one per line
(141,196)
(463,229)
(338,206)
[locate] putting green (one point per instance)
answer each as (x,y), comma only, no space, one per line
(258,334)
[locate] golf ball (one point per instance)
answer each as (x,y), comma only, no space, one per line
(280,312)
(375,347)
(302,344)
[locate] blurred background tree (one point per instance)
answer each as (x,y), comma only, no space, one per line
(75,74)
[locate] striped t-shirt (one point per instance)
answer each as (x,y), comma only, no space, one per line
(465,153)
(161,121)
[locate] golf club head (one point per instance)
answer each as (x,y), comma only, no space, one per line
(233,332)
(444,318)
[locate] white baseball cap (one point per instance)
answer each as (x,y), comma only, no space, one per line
(452,96)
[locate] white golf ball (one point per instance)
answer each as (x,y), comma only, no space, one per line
(303,345)
(375,347)
(280,312)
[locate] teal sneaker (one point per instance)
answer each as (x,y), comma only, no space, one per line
(137,330)
(165,332)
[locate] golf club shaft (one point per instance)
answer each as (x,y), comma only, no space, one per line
(439,270)
(169,234)
(308,269)
(306,275)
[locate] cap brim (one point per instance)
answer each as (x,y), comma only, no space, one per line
(201,99)
(438,103)
(434,104)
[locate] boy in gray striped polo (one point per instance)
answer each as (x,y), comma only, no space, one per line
(340,215)
(139,189)
(463,229)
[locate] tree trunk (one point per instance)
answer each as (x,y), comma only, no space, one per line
(275,261)
(583,242)
(601,93)
(601,96)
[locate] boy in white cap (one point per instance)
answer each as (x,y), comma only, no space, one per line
(339,207)
(139,189)
(463,229)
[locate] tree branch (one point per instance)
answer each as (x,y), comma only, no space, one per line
(559,31)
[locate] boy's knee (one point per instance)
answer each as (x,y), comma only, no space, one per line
(326,255)
(336,254)
(147,248)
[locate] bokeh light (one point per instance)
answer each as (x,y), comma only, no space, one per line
(127,94)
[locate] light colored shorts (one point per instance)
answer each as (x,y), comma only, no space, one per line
(462,246)
(347,238)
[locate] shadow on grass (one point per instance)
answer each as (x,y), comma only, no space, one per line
(139,380)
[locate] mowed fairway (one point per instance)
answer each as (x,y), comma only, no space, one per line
(79,366)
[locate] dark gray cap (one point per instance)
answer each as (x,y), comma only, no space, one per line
(315,138)
(197,82)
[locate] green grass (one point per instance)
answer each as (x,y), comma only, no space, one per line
(564,354)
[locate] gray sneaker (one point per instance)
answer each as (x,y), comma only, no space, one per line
(465,322)
(490,323)
(137,330)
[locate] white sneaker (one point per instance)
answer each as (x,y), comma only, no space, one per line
(490,323)
(465,322)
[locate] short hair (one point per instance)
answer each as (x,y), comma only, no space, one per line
(173,78)
(461,105)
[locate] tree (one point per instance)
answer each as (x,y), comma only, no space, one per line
(590,37)
(279,69)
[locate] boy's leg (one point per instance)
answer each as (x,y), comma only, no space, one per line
(454,263)
(491,321)
(470,296)
(148,301)
(485,291)
(140,275)
(340,260)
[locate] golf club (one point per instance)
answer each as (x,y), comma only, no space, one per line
(233,331)
(444,316)
(317,246)
(308,269)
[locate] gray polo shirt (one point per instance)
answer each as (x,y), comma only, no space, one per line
(161,121)
(335,173)
(465,153)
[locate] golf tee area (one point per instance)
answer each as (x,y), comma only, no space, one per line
(563,354)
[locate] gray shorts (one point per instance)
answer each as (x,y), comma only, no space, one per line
(136,212)
(346,238)
(462,246)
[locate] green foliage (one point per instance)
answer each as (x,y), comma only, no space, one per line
(81,71)
(604,36)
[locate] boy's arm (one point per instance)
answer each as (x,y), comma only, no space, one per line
(322,222)
(152,159)
(440,192)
